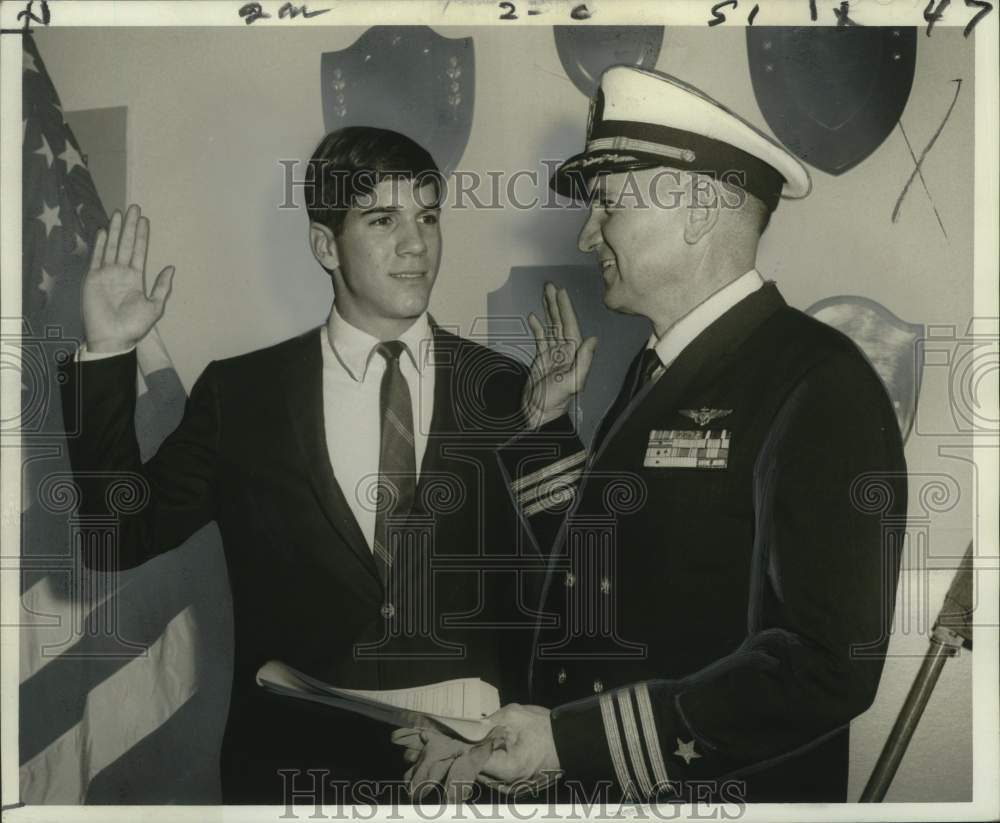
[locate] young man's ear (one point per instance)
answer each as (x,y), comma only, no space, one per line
(324,246)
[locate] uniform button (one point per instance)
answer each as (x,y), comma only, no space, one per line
(598,686)
(388,610)
(562,676)
(570,580)
(605,586)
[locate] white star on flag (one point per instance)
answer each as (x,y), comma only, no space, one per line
(29,63)
(50,217)
(686,751)
(45,151)
(71,157)
(48,281)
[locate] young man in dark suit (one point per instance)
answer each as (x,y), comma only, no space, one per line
(338,464)
(726,574)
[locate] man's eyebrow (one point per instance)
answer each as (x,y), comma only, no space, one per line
(381,209)
(392,209)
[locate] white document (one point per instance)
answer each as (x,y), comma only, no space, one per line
(461,705)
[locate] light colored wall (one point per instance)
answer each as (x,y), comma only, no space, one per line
(210,112)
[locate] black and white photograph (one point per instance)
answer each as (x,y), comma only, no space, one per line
(521,410)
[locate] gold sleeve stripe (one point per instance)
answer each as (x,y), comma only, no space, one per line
(548,487)
(547,471)
(559,497)
(632,741)
(649,733)
(614,742)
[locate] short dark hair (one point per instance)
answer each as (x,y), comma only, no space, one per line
(350,162)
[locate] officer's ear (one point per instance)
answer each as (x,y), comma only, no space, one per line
(324,246)
(703,209)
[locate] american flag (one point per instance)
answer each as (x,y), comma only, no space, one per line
(114,691)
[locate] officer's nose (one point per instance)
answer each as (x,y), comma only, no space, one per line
(590,234)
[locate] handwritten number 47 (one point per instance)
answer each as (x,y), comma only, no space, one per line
(932,14)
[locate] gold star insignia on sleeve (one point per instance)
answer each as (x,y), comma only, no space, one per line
(686,751)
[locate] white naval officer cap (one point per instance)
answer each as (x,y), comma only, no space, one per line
(641,119)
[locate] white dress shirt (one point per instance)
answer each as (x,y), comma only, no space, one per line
(352,416)
(352,379)
(684,331)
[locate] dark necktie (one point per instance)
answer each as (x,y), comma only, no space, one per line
(397,462)
(648,363)
(639,373)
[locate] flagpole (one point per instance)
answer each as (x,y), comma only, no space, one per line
(952,631)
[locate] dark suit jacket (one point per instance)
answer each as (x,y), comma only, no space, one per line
(251,454)
(724,623)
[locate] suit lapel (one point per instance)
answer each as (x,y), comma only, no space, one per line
(304,396)
(444,360)
(620,402)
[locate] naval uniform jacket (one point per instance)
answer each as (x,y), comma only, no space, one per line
(720,594)
(251,454)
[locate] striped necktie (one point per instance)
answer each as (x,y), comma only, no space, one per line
(397,462)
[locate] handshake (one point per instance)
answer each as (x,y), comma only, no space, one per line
(517,757)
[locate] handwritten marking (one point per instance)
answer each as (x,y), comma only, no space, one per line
(29,16)
(933,140)
(580,12)
(984,9)
(288,10)
(932,15)
(717,16)
(510,11)
(923,182)
(842,15)
(252,12)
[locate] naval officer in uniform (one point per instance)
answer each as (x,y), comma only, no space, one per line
(722,558)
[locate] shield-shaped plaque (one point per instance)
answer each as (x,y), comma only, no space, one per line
(889,343)
(587,51)
(832,94)
(408,79)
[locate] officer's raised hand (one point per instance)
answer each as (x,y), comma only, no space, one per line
(117,313)
(562,360)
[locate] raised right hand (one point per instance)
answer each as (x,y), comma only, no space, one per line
(117,313)
(562,360)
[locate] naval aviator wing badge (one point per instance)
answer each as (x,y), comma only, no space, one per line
(704,416)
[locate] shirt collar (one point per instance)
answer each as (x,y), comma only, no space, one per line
(354,347)
(685,330)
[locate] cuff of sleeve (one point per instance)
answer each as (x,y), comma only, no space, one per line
(543,467)
(617,735)
(689,754)
(580,740)
(83,354)
(97,387)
